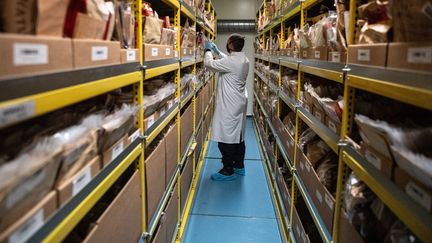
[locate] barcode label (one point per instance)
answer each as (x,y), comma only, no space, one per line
(335,57)
(117,150)
(318,196)
(150,121)
(419,195)
(373,159)
(134,136)
(304,53)
(99,53)
(154,52)
(332,126)
(130,55)
(328,201)
(363,55)
(421,55)
(30,54)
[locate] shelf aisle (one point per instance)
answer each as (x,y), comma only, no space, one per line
(234,211)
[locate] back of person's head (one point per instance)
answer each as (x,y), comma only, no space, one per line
(235,43)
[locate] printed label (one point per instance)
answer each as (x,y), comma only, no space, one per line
(99,53)
(29,228)
(154,52)
(318,195)
(373,159)
(30,54)
(81,181)
(332,126)
(117,150)
(328,201)
(363,55)
(24,188)
(419,195)
(170,104)
(317,54)
(150,121)
(134,136)
(18,112)
(304,53)
(167,51)
(307,165)
(130,55)
(420,55)
(335,57)
(184,51)
(318,115)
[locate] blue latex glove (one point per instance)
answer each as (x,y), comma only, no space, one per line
(208,45)
(215,49)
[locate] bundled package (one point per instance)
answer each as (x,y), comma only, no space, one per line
(125,24)
(153,98)
(375,22)
(152,25)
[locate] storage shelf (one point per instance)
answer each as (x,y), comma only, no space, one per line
(310,3)
(284,153)
(290,62)
(289,13)
(274,59)
(288,100)
(261,106)
(173,3)
(325,235)
(328,70)
(188,11)
(204,26)
(186,99)
(67,217)
(159,67)
(320,129)
(187,61)
(415,217)
(32,104)
(409,87)
(151,133)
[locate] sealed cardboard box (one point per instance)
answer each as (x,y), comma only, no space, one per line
(129,55)
(25,226)
(414,56)
(318,53)
(347,232)
(171,142)
(111,226)
(185,181)
(157,52)
(155,178)
(381,162)
(299,232)
(336,56)
(171,214)
(421,193)
(26,54)
(368,54)
(186,128)
(109,155)
(74,185)
(91,53)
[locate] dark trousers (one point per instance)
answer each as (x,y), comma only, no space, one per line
(232,154)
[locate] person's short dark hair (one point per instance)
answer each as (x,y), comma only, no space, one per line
(237,42)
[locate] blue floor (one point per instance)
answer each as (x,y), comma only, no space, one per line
(233,211)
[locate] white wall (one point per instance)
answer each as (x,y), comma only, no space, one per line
(239,9)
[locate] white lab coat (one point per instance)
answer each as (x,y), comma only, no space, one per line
(229,119)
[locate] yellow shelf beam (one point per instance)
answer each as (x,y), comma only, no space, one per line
(172,3)
(154,72)
(324,73)
(53,100)
(310,3)
(188,63)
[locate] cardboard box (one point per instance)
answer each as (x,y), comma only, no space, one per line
(111,226)
(199,106)
(29,55)
(419,192)
(336,56)
(347,232)
(304,53)
(321,197)
(368,54)
(171,214)
(171,142)
(284,190)
(318,53)
(157,52)
(375,139)
(297,226)
(187,52)
(186,128)
(134,136)
(109,155)
(286,139)
(334,125)
(155,178)
(91,53)
(129,55)
(271,156)
(150,120)
(414,56)
(24,227)
(382,163)
(185,181)
(160,236)
(319,113)
(199,140)
(74,185)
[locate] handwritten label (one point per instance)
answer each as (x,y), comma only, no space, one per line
(23,233)
(363,55)
(18,112)
(419,195)
(154,52)
(130,55)
(318,196)
(117,150)
(420,55)
(99,53)
(317,54)
(373,159)
(30,54)
(167,51)
(81,181)
(328,201)
(335,57)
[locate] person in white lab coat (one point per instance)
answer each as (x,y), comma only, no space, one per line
(229,118)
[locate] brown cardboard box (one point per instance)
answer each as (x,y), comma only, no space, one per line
(415,56)
(110,136)
(171,142)
(134,136)
(187,52)
(75,184)
(27,54)
(160,235)
(199,140)
(375,139)
(171,214)
(419,192)
(368,54)
(381,162)
(27,225)
(185,181)
(186,128)
(297,226)
(111,226)
(91,53)
(150,120)
(336,56)
(129,55)
(157,52)
(304,53)
(199,106)
(287,140)
(347,232)
(335,126)
(109,155)
(319,53)
(284,190)
(319,113)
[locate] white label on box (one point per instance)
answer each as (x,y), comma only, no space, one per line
(30,54)
(24,188)
(301,165)
(175,53)
(421,55)
(99,53)
(363,55)
(317,54)
(319,196)
(18,112)
(167,51)
(162,111)
(170,104)
(318,115)
(184,51)
(81,181)
(150,121)
(373,159)
(328,201)
(117,150)
(335,57)
(134,136)
(304,53)
(25,231)
(332,126)
(190,51)
(130,55)
(419,195)
(307,107)
(154,51)
(308,168)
